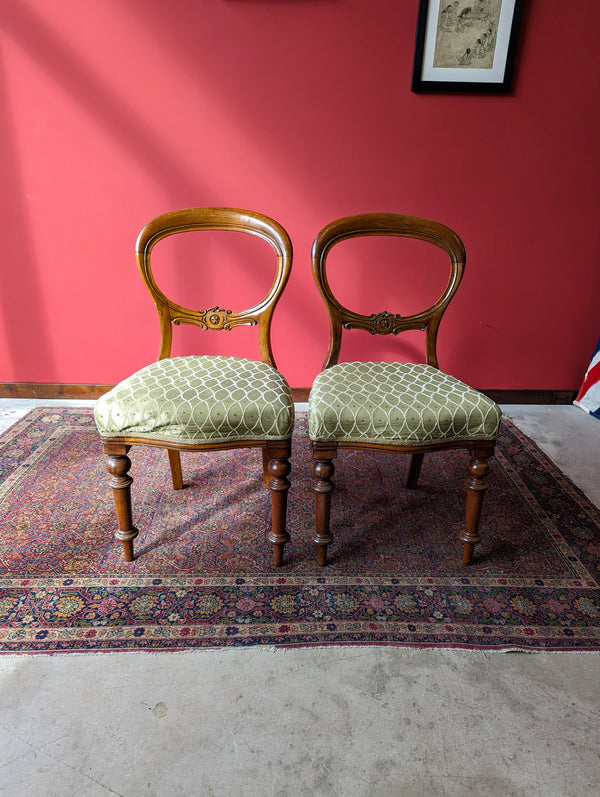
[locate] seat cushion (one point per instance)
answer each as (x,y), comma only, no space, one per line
(199,400)
(397,403)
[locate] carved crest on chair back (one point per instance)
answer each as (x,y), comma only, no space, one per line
(377,323)
(215,318)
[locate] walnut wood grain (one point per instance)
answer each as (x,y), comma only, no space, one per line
(118,464)
(216,318)
(373,224)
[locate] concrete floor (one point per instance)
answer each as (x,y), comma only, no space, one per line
(331,721)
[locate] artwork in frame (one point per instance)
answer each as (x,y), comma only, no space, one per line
(466,45)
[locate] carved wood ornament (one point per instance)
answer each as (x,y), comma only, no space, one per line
(214,318)
(377,323)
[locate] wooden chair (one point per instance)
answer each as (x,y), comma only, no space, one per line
(397,406)
(200,403)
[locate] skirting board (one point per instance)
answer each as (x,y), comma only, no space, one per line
(47,390)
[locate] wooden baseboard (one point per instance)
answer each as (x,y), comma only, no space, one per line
(531,396)
(499,396)
(49,390)
(300,394)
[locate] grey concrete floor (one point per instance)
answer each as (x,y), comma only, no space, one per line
(350,721)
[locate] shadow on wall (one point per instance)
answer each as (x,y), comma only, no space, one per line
(63,64)
(328,148)
(174,173)
(60,62)
(22,299)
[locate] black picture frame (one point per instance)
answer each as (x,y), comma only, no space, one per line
(491,27)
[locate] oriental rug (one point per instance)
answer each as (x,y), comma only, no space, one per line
(203,575)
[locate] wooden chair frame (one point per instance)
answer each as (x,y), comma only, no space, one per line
(384,323)
(275,453)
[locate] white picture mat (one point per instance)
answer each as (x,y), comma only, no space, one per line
(462,74)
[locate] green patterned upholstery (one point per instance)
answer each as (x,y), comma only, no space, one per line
(397,403)
(199,400)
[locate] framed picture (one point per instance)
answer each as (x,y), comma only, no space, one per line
(466,45)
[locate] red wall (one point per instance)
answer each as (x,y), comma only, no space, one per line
(113,112)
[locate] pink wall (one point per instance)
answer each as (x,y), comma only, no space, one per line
(113,112)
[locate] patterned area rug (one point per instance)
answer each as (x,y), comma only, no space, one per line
(203,576)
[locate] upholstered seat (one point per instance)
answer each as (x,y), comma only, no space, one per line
(199,399)
(398,403)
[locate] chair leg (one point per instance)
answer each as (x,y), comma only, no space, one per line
(412,480)
(175,465)
(476,488)
(277,454)
(265,462)
(118,465)
(323,470)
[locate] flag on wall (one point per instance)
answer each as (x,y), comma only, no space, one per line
(588,397)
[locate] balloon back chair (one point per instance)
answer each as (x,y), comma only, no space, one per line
(394,406)
(204,403)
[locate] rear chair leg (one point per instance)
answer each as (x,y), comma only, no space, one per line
(476,488)
(277,468)
(175,465)
(118,465)
(265,464)
(412,480)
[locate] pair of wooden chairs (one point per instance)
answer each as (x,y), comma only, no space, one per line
(200,403)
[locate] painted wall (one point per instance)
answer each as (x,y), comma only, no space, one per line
(113,112)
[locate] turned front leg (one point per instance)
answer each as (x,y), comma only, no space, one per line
(118,466)
(278,469)
(323,470)
(476,489)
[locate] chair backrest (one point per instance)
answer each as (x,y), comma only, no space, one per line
(384,322)
(215,318)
